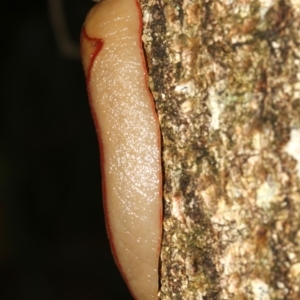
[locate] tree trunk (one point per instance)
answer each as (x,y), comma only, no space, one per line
(225,76)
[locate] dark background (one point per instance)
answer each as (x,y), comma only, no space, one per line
(53,243)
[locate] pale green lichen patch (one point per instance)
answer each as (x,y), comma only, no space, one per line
(293,147)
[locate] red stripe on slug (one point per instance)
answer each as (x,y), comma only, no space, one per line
(91,47)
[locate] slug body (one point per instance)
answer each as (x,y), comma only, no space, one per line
(129,139)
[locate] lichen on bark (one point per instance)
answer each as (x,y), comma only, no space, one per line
(225,76)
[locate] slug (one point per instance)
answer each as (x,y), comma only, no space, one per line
(129,140)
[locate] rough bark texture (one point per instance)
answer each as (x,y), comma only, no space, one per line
(225,76)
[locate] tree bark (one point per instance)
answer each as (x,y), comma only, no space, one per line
(225,76)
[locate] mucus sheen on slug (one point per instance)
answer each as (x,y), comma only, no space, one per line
(129,139)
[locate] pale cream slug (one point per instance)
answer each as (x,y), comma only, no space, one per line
(129,139)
